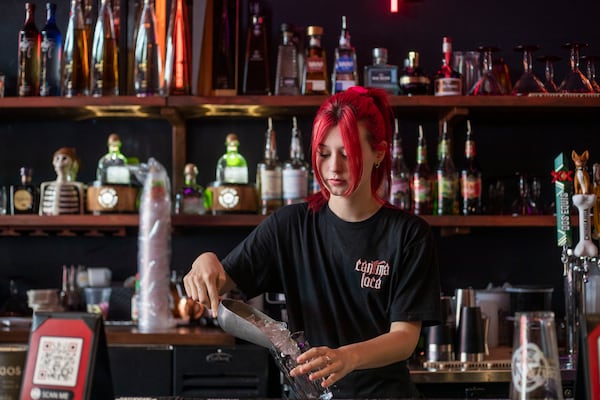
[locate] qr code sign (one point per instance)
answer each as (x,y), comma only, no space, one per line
(57,361)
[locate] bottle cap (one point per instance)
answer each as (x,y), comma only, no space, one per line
(314,30)
(232,137)
(190,169)
(380,52)
(114,138)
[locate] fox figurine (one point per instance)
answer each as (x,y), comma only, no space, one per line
(581,183)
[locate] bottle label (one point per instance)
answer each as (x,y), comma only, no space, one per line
(236,175)
(295,184)
(407,80)
(421,190)
(340,86)
(314,64)
(471,188)
(345,65)
(270,184)
(400,186)
(22,200)
(470,149)
(381,76)
(446,188)
(117,174)
(448,87)
(315,85)
(193,205)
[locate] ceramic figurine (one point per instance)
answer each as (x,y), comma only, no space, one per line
(64,195)
(584,199)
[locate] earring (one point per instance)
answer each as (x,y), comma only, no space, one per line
(377,165)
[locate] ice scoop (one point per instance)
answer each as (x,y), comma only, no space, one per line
(235,316)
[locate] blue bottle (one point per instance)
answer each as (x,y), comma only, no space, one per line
(51,55)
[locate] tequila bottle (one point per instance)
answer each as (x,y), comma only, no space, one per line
(232,166)
(105,61)
(295,173)
(256,62)
(51,55)
(422,180)
(269,175)
(286,75)
(381,74)
(413,81)
(345,68)
(178,61)
(447,82)
(470,178)
(224,76)
(446,182)
(112,167)
(400,174)
(147,65)
(190,199)
(314,79)
(28,74)
(76,70)
(25,197)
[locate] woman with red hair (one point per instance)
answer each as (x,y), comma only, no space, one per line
(360,277)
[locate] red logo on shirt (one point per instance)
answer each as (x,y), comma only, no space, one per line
(372,271)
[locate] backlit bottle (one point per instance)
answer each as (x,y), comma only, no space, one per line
(178,60)
(447,82)
(269,175)
(105,54)
(295,174)
(422,180)
(256,61)
(24,197)
(400,174)
(51,55)
(28,60)
(232,166)
(470,178)
(380,74)
(112,167)
(286,74)
(314,79)
(147,66)
(446,179)
(345,67)
(413,81)
(190,199)
(76,69)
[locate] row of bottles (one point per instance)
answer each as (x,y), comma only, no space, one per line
(88,64)
(443,191)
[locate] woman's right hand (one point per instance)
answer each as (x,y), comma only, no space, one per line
(206,281)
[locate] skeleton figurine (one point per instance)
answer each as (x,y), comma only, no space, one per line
(64,195)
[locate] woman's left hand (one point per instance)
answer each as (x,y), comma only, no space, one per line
(324,362)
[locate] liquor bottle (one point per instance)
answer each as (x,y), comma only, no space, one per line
(232,166)
(24,198)
(28,74)
(413,81)
(190,199)
(422,180)
(447,82)
(381,74)
(470,178)
(178,60)
(256,61)
(105,54)
(112,167)
(224,76)
(51,55)
(345,67)
(286,74)
(400,174)
(295,170)
(147,65)
(446,179)
(76,70)
(269,172)
(314,78)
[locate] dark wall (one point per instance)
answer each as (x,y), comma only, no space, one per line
(507,142)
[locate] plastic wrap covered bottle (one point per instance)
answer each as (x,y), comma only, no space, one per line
(154,250)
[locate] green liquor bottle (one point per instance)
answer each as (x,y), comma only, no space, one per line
(232,166)
(446,181)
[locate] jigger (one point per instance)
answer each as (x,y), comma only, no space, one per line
(471,335)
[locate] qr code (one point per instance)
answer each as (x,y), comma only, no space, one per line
(57,361)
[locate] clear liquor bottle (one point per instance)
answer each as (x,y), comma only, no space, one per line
(76,67)
(470,178)
(413,80)
(447,82)
(112,167)
(105,54)
(345,67)
(51,55)
(178,61)
(314,78)
(381,74)
(286,74)
(295,173)
(400,174)
(422,180)
(446,180)
(190,199)
(24,197)
(269,174)
(28,74)
(232,166)
(256,61)
(147,66)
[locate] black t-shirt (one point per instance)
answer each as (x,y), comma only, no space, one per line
(345,282)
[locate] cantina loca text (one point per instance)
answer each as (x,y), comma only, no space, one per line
(372,271)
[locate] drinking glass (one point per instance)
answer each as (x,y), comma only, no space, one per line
(535,368)
(590,69)
(488,84)
(575,81)
(549,60)
(524,204)
(528,82)
(468,64)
